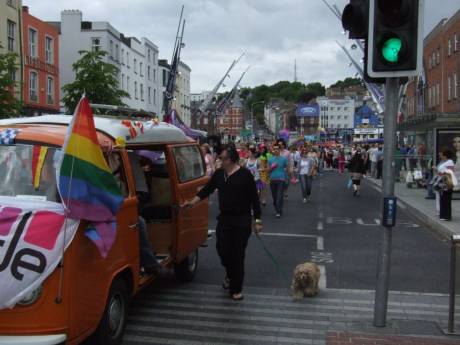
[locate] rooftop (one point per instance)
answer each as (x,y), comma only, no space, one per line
(114,127)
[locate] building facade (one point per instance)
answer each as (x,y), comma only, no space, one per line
(232,122)
(41,88)
(336,113)
(432,102)
(137,60)
(10,38)
(181,98)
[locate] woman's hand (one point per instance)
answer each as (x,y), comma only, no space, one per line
(258,227)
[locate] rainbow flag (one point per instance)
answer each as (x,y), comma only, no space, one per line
(87,187)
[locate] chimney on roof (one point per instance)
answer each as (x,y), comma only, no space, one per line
(25,9)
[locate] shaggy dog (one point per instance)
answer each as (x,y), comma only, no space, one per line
(305,280)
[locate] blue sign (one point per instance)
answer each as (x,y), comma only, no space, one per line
(366,116)
(307,110)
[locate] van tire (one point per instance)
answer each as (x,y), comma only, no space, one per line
(186,269)
(113,323)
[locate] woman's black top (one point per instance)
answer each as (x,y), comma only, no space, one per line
(237,195)
(357,165)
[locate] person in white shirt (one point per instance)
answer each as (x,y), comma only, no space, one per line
(306,168)
(373,156)
(444,193)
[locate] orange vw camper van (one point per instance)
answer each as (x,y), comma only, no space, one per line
(88,295)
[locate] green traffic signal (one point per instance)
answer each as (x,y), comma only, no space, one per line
(391,49)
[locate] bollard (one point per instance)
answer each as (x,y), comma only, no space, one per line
(455,240)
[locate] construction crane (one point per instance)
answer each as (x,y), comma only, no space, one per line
(214,91)
(226,101)
(171,84)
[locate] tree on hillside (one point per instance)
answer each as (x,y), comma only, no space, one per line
(283,90)
(348,82)
(317,88)
(96,78)
(9,105)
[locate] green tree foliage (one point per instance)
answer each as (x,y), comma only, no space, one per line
(348,82)
(9,105)
(284,90)
(96,78)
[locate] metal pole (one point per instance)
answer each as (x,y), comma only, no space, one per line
(453,252)
(384,261)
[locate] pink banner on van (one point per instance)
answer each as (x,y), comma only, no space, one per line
(33,235)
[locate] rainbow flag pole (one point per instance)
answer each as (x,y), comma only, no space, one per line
(85,182)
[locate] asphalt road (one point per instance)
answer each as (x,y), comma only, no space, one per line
(337,231)
(341,233)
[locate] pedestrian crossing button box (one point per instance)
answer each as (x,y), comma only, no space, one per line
(389,212)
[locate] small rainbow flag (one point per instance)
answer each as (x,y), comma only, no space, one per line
(87,187)
(38,159)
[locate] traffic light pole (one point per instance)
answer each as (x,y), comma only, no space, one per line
(388,186)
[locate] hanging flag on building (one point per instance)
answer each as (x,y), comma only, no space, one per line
(87,187)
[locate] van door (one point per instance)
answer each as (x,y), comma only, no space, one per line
(188,175)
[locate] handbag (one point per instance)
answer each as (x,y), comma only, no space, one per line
(418,175)
(448,184)
(443,183)
(409,177)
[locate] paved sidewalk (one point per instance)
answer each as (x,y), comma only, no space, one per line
(344,338)
(424,209)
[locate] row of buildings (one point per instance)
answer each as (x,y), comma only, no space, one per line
(341,112)
(46,52)
(431,111)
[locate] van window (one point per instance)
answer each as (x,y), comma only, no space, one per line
(21,166)
(189,163)
(115,164)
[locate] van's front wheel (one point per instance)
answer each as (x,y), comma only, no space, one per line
(186,269)
(113,322)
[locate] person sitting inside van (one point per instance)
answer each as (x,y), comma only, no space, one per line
(147,255)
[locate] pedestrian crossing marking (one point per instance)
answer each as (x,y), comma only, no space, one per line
(321,257)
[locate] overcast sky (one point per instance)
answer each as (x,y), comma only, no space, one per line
(271,33)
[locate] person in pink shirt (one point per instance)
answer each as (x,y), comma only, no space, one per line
(341,160)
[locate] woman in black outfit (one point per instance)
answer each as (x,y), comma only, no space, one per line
(239,210)
(357,169)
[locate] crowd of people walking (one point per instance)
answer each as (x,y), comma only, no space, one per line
(275,167)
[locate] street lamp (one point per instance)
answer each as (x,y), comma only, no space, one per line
(252,116)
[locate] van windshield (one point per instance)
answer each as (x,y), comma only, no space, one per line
(29,171)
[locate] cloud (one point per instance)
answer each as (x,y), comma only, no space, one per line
(272,34)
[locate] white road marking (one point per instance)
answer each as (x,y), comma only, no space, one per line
(321,257)
(359,221)
(275,234)
(320,243)
(320,226)
(322,279)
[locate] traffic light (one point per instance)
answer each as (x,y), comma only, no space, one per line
(355,19)
(395,39)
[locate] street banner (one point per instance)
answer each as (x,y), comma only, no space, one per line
(33,237)
(307,110)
